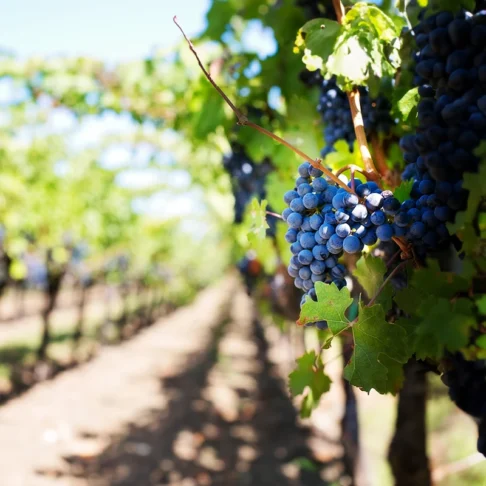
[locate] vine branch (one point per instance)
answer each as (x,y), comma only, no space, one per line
(355,106)
(380,156)
(244,121)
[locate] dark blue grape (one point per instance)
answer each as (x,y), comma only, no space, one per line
(320,252)
(310,200)
(343,230)
(304,189)
(305,273)
(318,267)
(297,205)
(305,257)
(294,220)
(351,244)
(384,232)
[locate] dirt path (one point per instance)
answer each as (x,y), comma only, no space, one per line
(193,400)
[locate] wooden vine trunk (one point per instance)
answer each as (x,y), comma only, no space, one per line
(408,450)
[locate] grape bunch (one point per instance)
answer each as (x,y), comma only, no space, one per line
(450,74)
(326,221)
(466,381)
(247,179)
(338,122)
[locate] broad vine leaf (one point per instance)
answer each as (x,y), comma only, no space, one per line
(373,339)
(408,102)
(402,192)
(310,375)
(259,220)
(319,37)
(474,183)
(481,305)
(365,46)
(331,306)
(437,322)
(443,325)
(370,272)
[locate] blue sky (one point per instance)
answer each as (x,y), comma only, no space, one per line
(113,30)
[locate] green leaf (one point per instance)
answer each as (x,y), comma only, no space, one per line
(309,375)
(259,225)
(380,350)
(331,306)
(319,37)
(408,102)
(481,305)
(402,192)
(481,341)
(370,272)
(477,191)
(366,15)
(443,325)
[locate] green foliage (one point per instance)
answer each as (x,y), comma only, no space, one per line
(363,49)
(407,104)
(439,318)
(402,192)
(259,220)
(380,350)
(309,376)
(331,306)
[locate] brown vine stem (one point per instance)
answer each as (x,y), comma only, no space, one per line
(339,9)
(275,215)
(380,156)
(355,106)
(243,119)
(352,168)
(404,247)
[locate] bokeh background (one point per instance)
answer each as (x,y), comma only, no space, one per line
(132,351)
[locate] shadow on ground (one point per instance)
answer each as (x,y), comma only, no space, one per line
(195,441)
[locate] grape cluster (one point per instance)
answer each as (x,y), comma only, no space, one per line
(247,179)
(451,78)
(467,389)
(338,122)
(325,220)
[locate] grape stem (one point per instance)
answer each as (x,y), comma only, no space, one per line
(380,156)
(275,215)
(355,106)
(404,247)
(352,168)
(244,121)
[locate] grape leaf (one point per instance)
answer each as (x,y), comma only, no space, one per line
(310,375)
(408,102)
(331,306)
(481,341)
(370,271)
(402,192)
(443,325)
(477,190)
(481,305)
(373,339)
(319,36)
(259,225)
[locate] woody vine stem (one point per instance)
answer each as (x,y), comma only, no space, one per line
(244,121)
